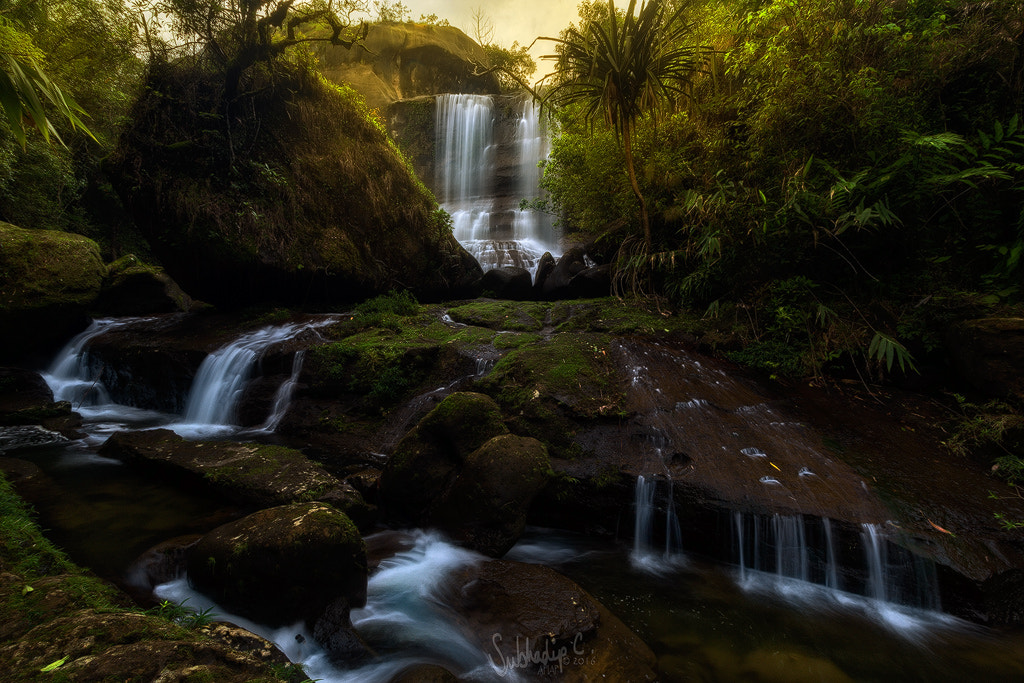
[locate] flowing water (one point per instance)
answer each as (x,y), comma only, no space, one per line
(799,595)
(212,401)
(485,165)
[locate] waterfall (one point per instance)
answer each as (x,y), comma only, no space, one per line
(476,156)
(645,555)
(283,395)
(223,375)
(72,377)
(796,547)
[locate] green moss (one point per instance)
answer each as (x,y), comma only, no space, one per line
(41,268)
(502,315)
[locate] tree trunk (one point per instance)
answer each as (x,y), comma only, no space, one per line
(627,148)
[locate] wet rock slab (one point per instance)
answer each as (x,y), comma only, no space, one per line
(249,473)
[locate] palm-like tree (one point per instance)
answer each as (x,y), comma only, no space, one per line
(622,67)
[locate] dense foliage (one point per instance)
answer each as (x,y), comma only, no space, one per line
(840,174)
(85,51)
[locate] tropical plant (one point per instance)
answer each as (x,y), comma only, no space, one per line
(25,87)
(623,67)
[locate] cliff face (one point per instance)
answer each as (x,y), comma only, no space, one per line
(403,61)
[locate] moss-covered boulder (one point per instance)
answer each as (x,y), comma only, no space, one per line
(485,508)
(58,617)
(48,280)
(460,470)
(132,287)
(427,460)
(282,564)
(295,195)
(249,473)
(403,61)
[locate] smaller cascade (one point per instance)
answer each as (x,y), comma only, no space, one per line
(223,375)
(894,574)
(283,395)
(794,547)
(647,553)
(73,377)
(780,545)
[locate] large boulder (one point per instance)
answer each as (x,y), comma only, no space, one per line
(136,288)
(299,198)
(460,470)
(284,564)
(508,282)
(48,280)
(485,508)
(403,61)
(426,461)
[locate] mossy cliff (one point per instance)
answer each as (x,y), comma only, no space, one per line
(292,192)
(402,61)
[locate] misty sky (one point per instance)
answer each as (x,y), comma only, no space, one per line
(514,20)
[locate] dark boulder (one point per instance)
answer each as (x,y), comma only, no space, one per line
(516,610)
(989,355)
(25,399)
(591,283)
(427,459)
(569,264)
(508,282)
(544,268)
(485,508)
(460,471)
(284,564)
(132,287)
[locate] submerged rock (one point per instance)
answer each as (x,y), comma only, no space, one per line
(531,619)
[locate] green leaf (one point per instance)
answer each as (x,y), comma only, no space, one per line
(53,666)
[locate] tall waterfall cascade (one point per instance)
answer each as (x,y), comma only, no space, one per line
(487,160)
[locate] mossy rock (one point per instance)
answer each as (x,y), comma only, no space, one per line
(282,564)
(323,208)
(426,460)
(133,287)
(486,506)
(48,280)
(57,614)
(249,473)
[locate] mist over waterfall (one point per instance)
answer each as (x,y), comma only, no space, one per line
(488,152)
